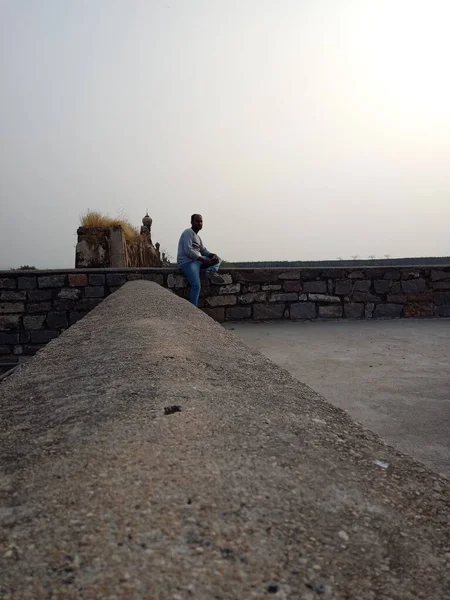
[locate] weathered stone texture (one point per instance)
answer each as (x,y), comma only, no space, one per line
(51,281)
(33,322)
(362,285)
(96,279)
(368,310)
(43,337)
(323,298)
(292,286)
(442,298)
(12,307)
(260,276)
(39,295)
(267,311)
(354,310)
(75,316)
(330,312)
(364,297)
(232,288)
(442,311)
(8,283)
(94,292)
(303,310)
(235,313)
(270,287)
(27,283)
(57,320)
(78,280)
(117,279)
(221,300)
(382,286)
(255,287)
(250,298)
(416,309)
(388,311)
(413,285)
(69,294)
(439,275)
(287,297)
(38,307)
(13,295)
(343,287)
(315,287)
(289,275)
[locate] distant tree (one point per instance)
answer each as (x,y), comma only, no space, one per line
(339,258)
(26,268)
(372,256)
(355,256)
(388,256)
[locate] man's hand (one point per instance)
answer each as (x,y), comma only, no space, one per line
(206,261)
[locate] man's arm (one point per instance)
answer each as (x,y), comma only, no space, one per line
(188,237)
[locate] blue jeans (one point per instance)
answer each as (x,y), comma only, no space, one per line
(192,271)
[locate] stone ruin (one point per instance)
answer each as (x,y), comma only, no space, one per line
(108,247)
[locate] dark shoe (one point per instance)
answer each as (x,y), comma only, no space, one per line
(216,278)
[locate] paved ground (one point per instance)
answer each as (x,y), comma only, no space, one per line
(257,488)
(392,376)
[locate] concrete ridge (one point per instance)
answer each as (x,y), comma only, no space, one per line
(257,487)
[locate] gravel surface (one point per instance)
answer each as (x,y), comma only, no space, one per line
(148,453)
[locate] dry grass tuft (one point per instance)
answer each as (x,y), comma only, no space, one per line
(97,219)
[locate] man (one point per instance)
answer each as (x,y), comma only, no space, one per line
(193,257)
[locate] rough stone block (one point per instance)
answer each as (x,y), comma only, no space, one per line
(33,322)
(8,283)
(393,274)
(232,288)
(441,298)
(259,276)
(218,313)
(368,310)
(303,310)
(56,320)
(271,287)
(289,275)
(234,313)
(292,286)
(363,297)
(250,298)
(413,285)
(441,285)
(69,294)
(75,316)
(116,279)
(62,305)
(176,281)
(343,287)
(27,283)
(39,295)
(396,287)
(330,312)
(18,350)
(438,275)
(25,337)
(397,298)
(94,292)
(409,274)
(362,285)
(309,274)
(416,309)
(51,281)
(214,301)
(38,307)
(87,304)
(5,350)
(382,286)
(442,311)
(96,279)
(388,311)
(31,350)
(315,287)
(255,287)
(12,307)
(333,273)
(9,322)
(324,298)
(356,275)
(13,295)
(78,280)
(267,311)
(9,338)
(354,310)
(43,337)
(287,297)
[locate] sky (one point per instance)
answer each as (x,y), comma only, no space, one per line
(299,129)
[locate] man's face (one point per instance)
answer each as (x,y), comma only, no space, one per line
(197,222)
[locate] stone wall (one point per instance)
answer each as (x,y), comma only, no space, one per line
(35,306)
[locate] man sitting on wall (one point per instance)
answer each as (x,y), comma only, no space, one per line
(193,256)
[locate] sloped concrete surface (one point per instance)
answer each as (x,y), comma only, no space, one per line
(256,488)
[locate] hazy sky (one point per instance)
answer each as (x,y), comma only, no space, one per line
(300,129)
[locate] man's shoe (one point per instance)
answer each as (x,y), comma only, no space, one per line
(216,278)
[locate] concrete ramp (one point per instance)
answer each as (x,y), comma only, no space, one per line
(148,453)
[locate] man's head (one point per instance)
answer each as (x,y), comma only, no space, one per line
(197,222)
